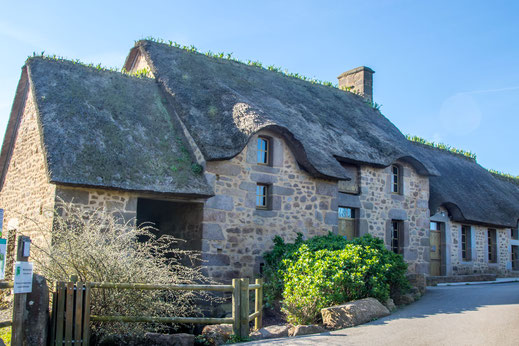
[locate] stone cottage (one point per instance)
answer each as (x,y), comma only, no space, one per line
(226,156)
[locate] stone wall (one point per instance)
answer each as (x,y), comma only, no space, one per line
(27,197)
(479,250)
(236,234)
(125,203)
(379,206)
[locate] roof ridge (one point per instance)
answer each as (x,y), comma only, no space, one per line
(139,74)
(442,147)
(504,176)
(255,63)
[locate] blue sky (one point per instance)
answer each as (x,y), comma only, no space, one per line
(445,70)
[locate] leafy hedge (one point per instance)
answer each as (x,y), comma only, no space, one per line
(328,270)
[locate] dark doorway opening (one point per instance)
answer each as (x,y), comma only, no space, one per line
(177,219)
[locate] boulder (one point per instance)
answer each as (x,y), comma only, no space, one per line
(414,290)
(180,339)
(404,299)
(271,332)
(353,313)
(390,305)
(36,318)
(217,334)
(419,281)
(305,330)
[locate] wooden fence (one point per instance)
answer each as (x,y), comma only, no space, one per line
(71,315)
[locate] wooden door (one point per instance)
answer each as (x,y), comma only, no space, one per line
(436,258)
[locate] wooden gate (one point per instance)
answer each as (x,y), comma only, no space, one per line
(70,319)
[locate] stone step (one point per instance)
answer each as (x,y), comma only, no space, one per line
(434,280)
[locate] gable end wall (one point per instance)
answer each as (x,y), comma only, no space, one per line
(26,192)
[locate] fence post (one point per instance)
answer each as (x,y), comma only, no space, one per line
(236,295)
(244,308)
(258,301)
(20,300)
(86,320)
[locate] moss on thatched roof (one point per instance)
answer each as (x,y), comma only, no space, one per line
(107,129)
(469,191)
(223,103)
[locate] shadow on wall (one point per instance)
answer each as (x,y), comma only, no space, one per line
(183,221)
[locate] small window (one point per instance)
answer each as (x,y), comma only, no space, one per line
(347,222)
(397,237)
(515,233)
(262,196)
(515,257)
(466,243)
(264,151)
(350,186)
(435,226)
(492,246)
(396,179)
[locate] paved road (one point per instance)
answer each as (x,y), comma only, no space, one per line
(461,315)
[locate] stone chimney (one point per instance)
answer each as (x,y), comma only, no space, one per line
(360,80)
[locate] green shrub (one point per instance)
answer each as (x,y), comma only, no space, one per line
(328,270)
(5,335)
(274,260)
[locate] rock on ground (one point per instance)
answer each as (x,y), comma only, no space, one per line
(217,334)
(270,332)
(353,313)
(404,299)
(305,330)
(419,281)
(390,305)
(180,339)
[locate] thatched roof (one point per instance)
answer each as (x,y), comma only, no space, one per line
(107,129)
(469,191)
(224,102)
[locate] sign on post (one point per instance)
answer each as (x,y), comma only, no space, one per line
(23,277)
(26,247)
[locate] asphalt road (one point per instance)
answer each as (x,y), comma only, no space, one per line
(456,315)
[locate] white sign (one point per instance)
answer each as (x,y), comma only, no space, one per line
(3,251)
(23,277)
(26,248)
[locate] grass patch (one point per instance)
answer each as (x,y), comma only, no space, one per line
(5,335)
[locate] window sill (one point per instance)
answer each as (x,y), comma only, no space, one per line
(265,213)
(397,197)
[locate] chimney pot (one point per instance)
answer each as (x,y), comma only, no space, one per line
(360,80)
